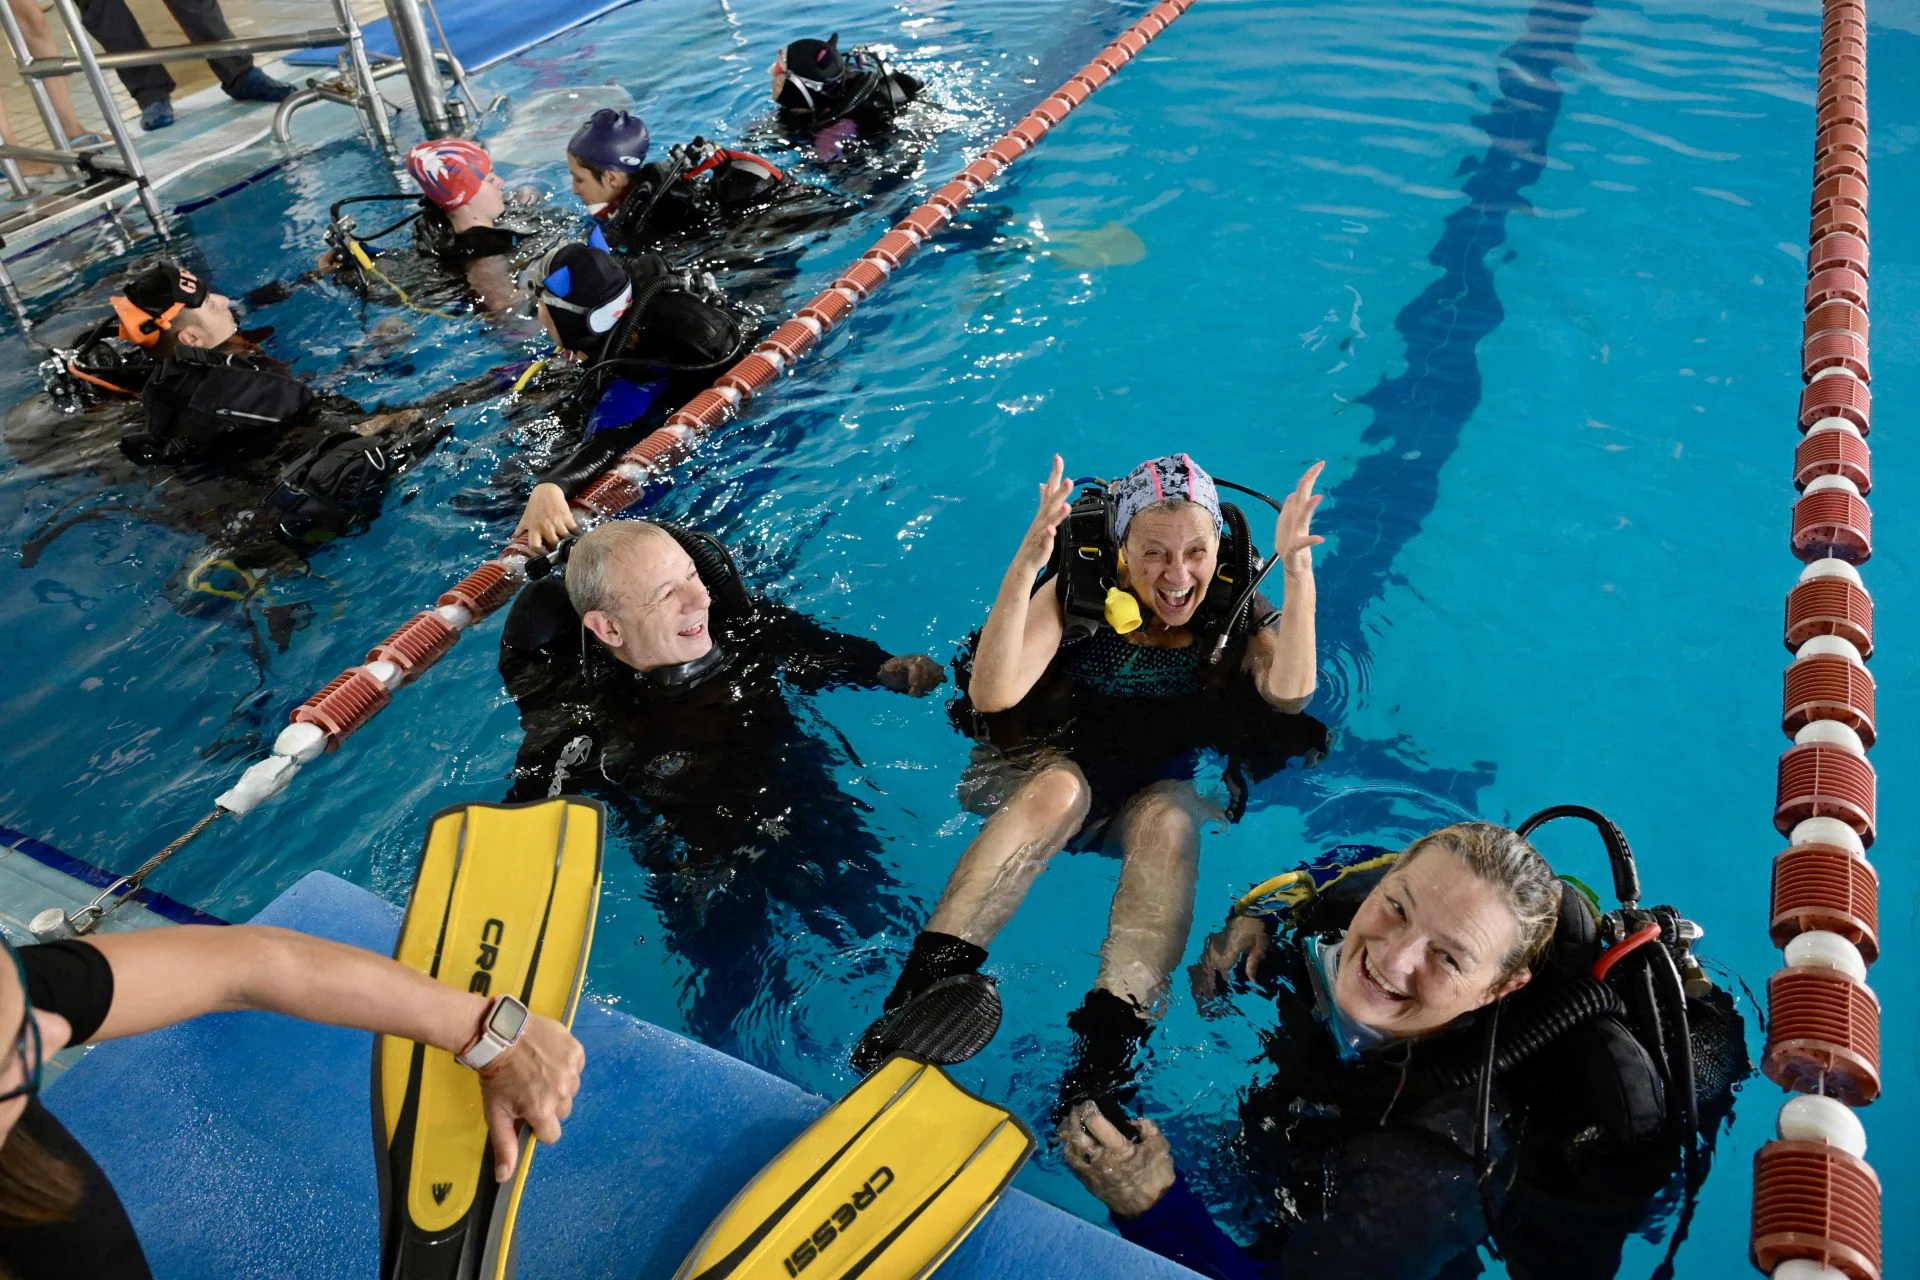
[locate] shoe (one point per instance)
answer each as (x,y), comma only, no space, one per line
(258,86)
(81,141)
(157,114)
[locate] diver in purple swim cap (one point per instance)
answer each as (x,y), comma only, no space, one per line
(691,191)
(1145,642)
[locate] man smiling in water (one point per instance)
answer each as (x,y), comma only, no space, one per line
(678,712)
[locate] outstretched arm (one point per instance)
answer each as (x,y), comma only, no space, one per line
(1024,627)
(164,976)
(1151,1204)
(818,657)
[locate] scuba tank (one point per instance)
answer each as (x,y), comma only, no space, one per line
(101,365)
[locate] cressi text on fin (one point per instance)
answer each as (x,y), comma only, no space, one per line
(883,1186)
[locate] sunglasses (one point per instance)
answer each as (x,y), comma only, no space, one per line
(26,1041)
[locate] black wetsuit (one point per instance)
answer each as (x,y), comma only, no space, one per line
(729,799)
(75,981)
(1364,1163)
(668,348)
(1129,715)
(1363,1168)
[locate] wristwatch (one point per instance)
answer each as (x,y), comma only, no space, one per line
(500,1030)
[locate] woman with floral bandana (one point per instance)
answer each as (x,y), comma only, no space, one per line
(1097,731)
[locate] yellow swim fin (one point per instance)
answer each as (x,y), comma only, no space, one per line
(503,903)
(883,1186)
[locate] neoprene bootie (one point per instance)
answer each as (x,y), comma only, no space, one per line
(1108,1030)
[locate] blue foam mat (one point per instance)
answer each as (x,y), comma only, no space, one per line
(242,1145)
(482,32)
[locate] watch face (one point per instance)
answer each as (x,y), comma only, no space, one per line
(508,1017)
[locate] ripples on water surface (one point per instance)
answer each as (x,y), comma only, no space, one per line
(1552,375)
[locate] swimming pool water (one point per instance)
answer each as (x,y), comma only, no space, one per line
(1546,341)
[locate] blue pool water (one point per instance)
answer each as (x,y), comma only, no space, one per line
(1547,343)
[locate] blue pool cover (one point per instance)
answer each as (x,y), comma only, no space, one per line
(482,32)
(242,1145)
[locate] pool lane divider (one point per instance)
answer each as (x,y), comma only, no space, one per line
(1816,1201)
(355,696)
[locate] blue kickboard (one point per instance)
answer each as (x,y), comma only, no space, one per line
(242,1144)
(482,32)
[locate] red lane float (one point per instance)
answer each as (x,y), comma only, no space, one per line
(1824,1035)
(1816,1202)
(1827,888)
(1827,681)
(1830,600)
(1839,316)
(1833,520)
(1825,774)
(352,698)
(1836,349)
(1837,393)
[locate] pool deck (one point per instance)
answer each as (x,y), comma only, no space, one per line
(242,1145)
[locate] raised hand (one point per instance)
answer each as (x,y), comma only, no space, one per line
(1293,535)
(1036,547)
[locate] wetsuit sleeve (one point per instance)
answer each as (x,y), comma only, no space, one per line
(71,979)
(814,657)
(600,450)
(1179,1227)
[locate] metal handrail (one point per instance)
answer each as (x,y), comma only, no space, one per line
(317,38)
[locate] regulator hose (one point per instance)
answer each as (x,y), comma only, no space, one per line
(1671,995)
(1528,1027)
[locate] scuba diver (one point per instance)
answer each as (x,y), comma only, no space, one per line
(827,98)
(1464,1047)
(1095,726)
(215,403)
(698,190)
(465,225)
(651,677)
(639,340)
(172,396)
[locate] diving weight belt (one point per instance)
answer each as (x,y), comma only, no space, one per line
(503,904)
(883,1186)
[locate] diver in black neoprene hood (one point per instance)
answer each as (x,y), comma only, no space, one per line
(827,97)
(640,339)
